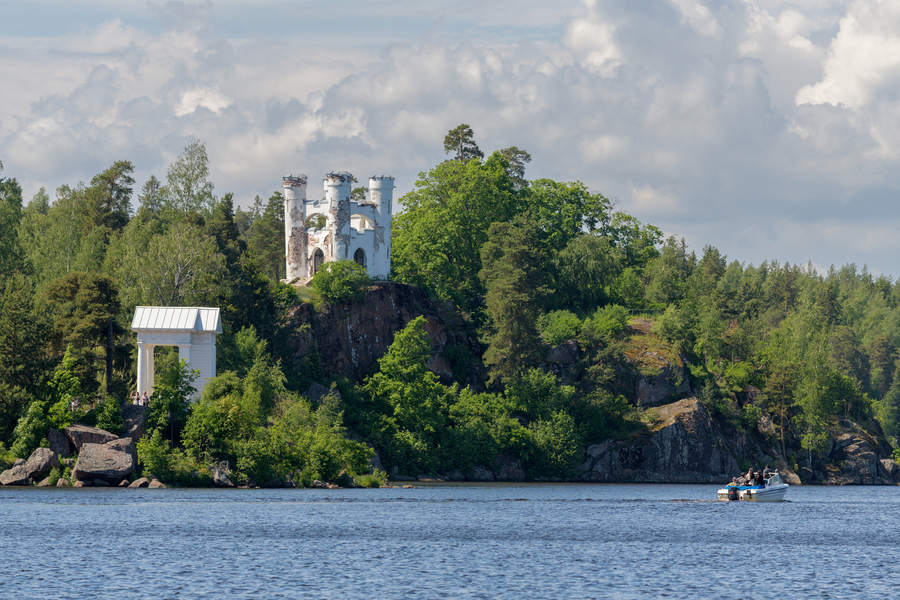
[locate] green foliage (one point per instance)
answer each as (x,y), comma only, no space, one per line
(54,476)
(30,430)
(416,398)
(266,234)
(82,306)
(155,455)
(171,268)
(23,334)
(515,281)
(109,416)
(187,188)
(558,326)
(341,281)
(461,141)
(564,212)
(585,269)
(436,242)
(11,257)
(608,322)
(171,398)
(538,394)
(558,446)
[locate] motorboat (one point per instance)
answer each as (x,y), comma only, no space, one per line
(772,490)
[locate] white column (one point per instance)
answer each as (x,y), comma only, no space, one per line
(151,369)
(184,351)
(141,367)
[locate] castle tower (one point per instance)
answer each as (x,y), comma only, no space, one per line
(381,191)
(295,240)
(337,198)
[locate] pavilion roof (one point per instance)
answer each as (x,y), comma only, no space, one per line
(177,318)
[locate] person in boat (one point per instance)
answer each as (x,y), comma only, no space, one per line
(766,472)
(750,477)
(734,483)
(759,478)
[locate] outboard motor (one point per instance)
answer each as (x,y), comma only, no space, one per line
(733,493)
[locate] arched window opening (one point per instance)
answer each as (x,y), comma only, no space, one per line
(318,260)
(360,257)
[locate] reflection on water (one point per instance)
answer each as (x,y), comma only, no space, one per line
(449,541)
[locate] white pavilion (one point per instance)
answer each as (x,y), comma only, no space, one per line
(193,329)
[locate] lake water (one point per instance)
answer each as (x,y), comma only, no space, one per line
(520,541)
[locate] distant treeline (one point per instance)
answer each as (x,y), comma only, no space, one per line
(529,264)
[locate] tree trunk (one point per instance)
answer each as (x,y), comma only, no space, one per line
(109,355)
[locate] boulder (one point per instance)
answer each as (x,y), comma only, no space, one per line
(480,473)
(852,472)
(15,476)
(99,461)
(508,468)
(319,485)
(80,435)
(100,483)
(685,445)
(432,478)
(156,484)
(456,475)
(133,416)
(41,462)
(316,391)
(59,443)
(891,466)
(566,353)
(219,473)
(843,440)
(62,482)
(45,482)
(19,462)
(123,483)
(126,445)
(80,483)
(139,483)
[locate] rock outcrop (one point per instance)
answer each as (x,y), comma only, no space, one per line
(350,338)
(59,443)
(219,473)
(104,461)
(133,417)
(79,435)
(41,462)
(17,475)
(684,446)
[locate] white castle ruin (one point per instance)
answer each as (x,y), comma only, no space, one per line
(336,227)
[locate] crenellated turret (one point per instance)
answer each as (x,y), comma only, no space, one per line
(336,228)
(337,196)
(295,243)
(381,191)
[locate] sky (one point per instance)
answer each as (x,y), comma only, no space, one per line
(766,128)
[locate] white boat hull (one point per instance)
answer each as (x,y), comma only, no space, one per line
(772,493)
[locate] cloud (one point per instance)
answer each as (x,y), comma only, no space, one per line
(766,128)
(209,98)
(863,59)
(699,17)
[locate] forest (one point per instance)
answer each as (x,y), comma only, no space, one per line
(528,264)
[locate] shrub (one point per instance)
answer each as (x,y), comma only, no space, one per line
(31,430)
(54,476)
(341,281)
(558,326)
(557,446)
(109,416)
(608,322)
(154,455)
